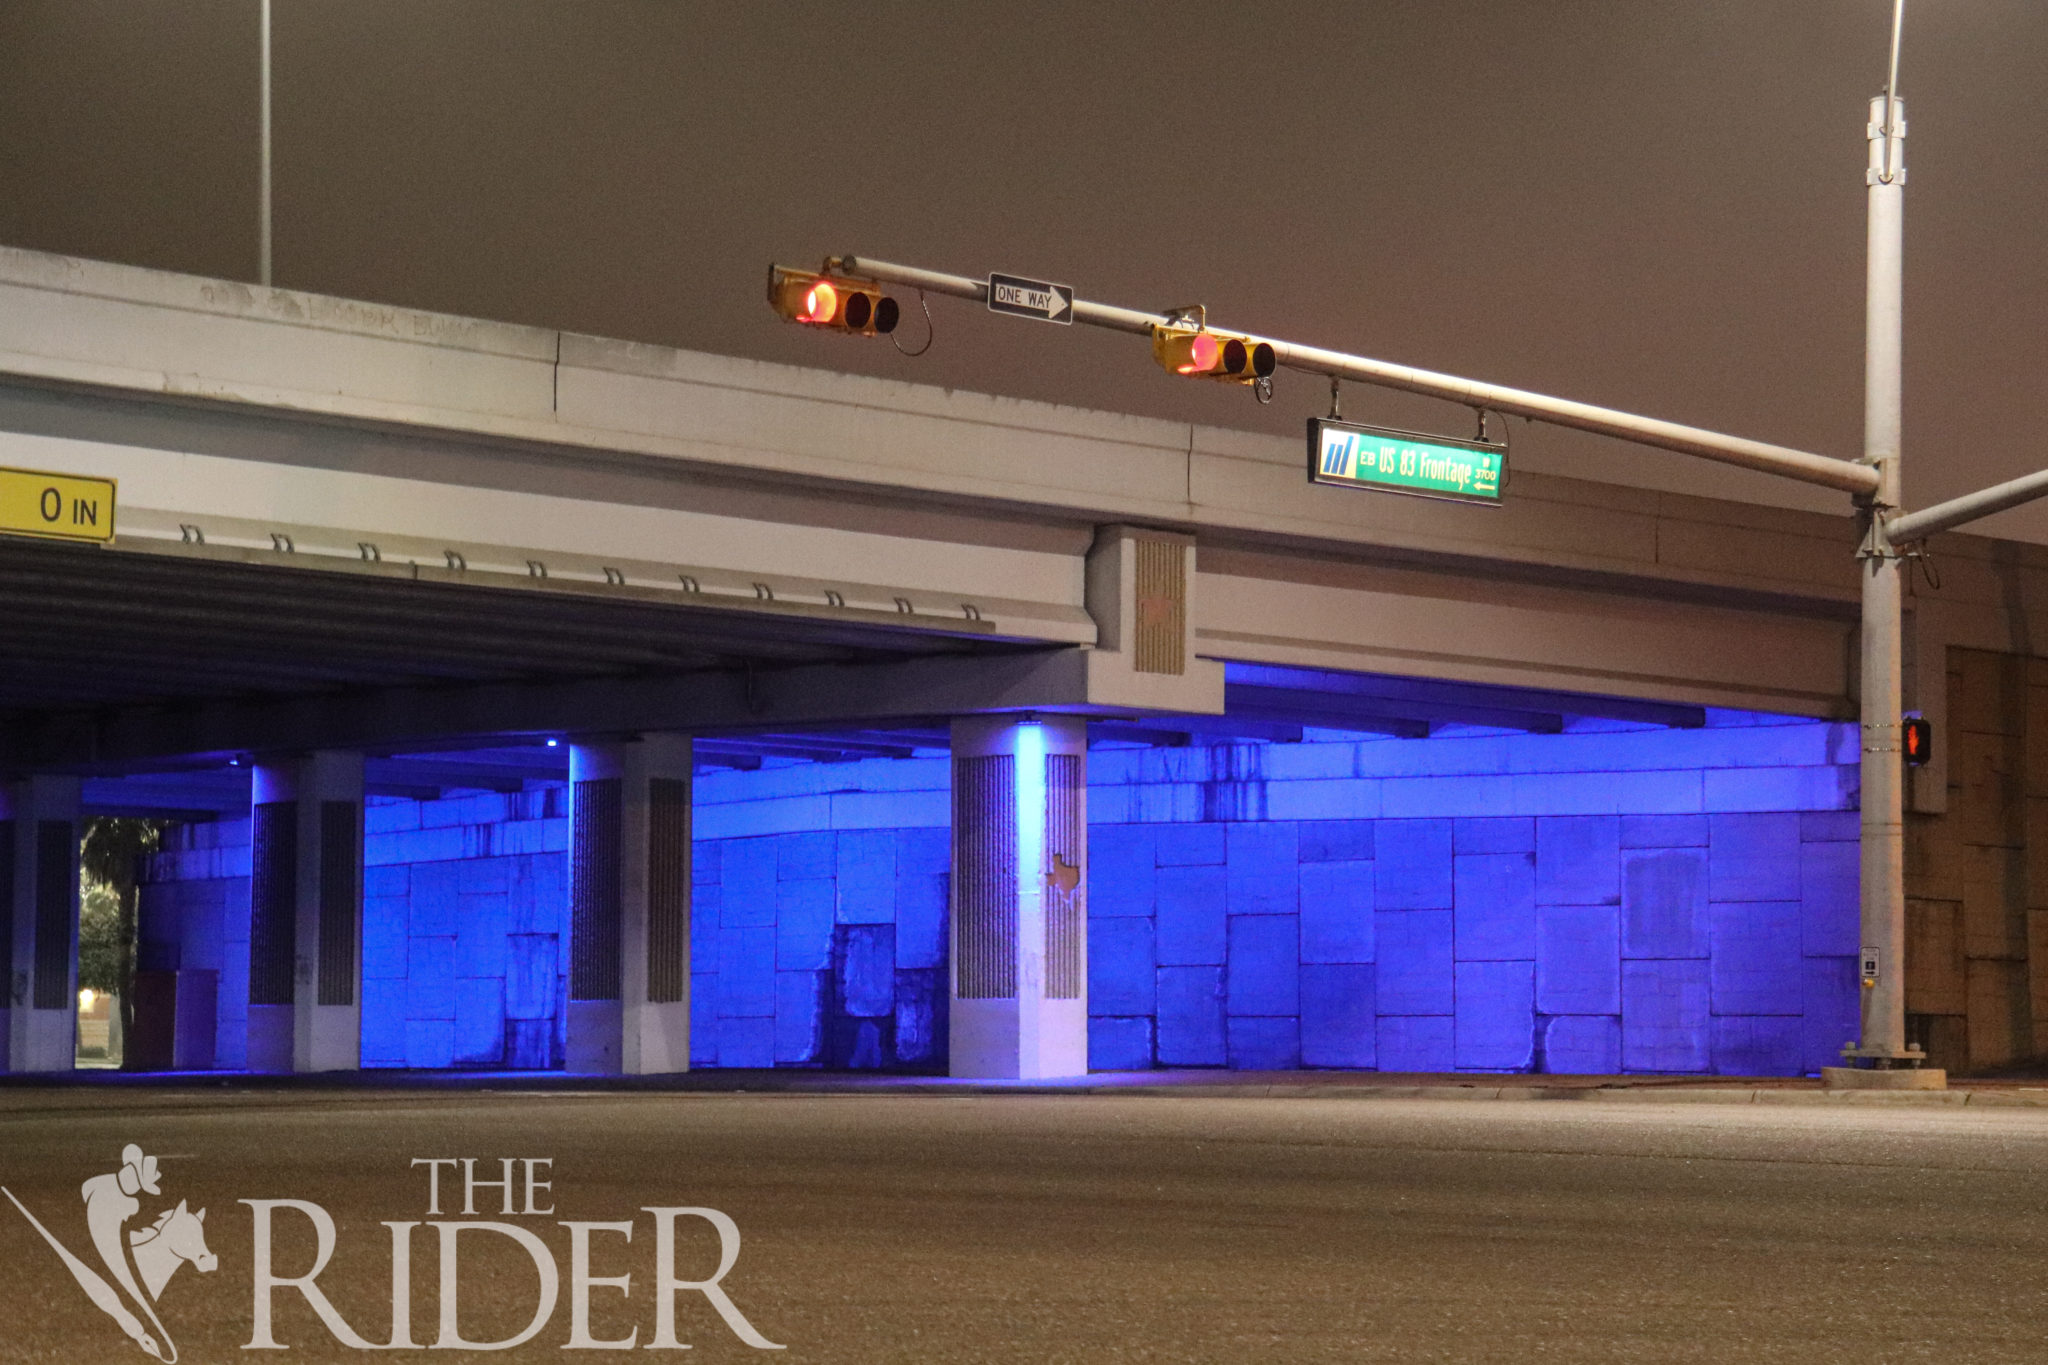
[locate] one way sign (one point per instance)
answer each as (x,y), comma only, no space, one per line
(1030,298)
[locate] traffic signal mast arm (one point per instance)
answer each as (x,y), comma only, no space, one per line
(1848,477)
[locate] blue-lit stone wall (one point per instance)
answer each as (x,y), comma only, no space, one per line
(465,931)
(1678,901)
(820,948)
(1662,901)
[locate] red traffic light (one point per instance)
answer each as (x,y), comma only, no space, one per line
(1202,354)
(845,305)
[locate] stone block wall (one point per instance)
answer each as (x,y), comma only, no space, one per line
(1680,901)
(1977,876)
(820,948)
(1485,904)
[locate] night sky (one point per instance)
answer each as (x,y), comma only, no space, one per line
(1657,206)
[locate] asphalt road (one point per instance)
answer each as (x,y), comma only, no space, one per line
(1086,1228)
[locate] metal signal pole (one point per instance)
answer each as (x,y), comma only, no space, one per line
(1883,883)
(263,157)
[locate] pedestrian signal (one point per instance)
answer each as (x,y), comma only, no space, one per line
(1917,739)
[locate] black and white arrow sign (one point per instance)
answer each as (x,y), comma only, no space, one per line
(1030,298)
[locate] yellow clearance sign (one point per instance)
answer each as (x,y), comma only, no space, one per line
(61,506)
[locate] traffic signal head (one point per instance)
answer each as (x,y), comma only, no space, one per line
(1916,737)
(857,306)
(1203,354)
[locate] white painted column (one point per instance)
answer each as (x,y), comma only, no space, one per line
(306,913)
(629,906)
(1020,897)
(39,833)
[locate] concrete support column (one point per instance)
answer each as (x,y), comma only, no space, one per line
(39,833)
(306,913)
(1020,897)
(629,906)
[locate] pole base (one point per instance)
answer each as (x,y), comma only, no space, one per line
(1894,1078)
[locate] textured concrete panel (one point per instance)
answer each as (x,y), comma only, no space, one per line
(1119,1044)
(1756,961)
(1758,1045)
(748,1042)
(383,1023)
(920,1016)
(1264,971)
(1578,960)
(436,895)
(867,969)
(802,857)
(1664,1014)
(1413,949)
(430,979)
(1416,1043)
(1578,860)
(1832,1009)
(746,972)
(1663,831)
(531,966)
(1499,834)
(384,939)
(704,1019)
(1264,1044)
(1263,868)
(430,1043)
(1336,912)
(1191,1016)
(1120,966)
(1496,1015)
(1412,865)
(481,921)
(1755,857)
(1829,881)
(1190,845)
(920,917)
(1664,904)
(747,883)
(867,876)
(1191,915)
(1339,1016)
(480,1022)
(1336,841)
(1496,907)
(1582,1045)
(803,926)
(799,1016)
(1122,868)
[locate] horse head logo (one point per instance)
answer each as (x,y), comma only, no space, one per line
(159,1250)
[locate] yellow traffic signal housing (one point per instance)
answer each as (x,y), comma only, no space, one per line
(1203,354)
(857,306)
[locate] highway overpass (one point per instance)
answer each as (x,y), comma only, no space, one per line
(674,610)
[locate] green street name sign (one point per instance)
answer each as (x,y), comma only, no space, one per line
(1405,462)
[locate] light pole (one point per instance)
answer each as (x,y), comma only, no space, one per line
(263,154)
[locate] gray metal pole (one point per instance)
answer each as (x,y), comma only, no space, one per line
(263,193)
(1883,889)
(1844,475)
(1970,506)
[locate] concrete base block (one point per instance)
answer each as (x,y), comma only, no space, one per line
(1903,1078)
(596,1031)
(270,1038)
